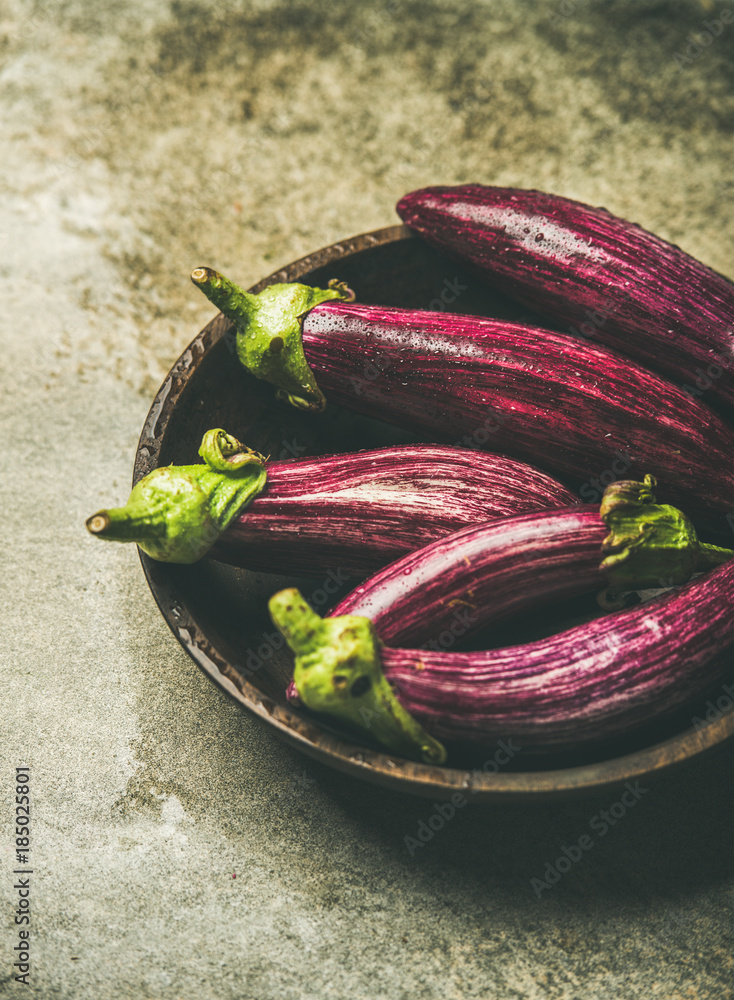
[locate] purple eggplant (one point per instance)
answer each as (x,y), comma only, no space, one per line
(485,573)
(592,273)
(360,511)
(480,575)
(574,409)
(591,683)
(352,513)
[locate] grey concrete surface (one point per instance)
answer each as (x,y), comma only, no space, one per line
(139,140)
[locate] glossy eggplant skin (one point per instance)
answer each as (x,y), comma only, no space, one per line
(591,683)
(355,513)
(592,273)
(574,409)
(480,575)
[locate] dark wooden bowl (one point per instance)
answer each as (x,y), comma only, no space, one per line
(218,613)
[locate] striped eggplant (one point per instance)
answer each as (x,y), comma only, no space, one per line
(352,513)
(485,573)
(362,510)
(480,575)
(591,272)
(597,681)
(594,682)
(575,409)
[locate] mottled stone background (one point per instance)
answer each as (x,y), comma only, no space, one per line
(139,140)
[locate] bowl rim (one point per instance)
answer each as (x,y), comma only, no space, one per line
(304,733)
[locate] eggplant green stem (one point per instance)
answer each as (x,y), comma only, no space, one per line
(710,556)
(650,544)
(269,329)
(338,672)
(177,512)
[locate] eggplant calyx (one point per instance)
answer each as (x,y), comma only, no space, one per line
(627,495)
(338,672)
(177,512)
(650,544)
(269,327)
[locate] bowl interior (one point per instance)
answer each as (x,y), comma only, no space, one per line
(219,612)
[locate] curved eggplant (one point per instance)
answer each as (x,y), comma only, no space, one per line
(549,694)
(341,513)
(480,575)
(359,511)
(590,683)
(485,573)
